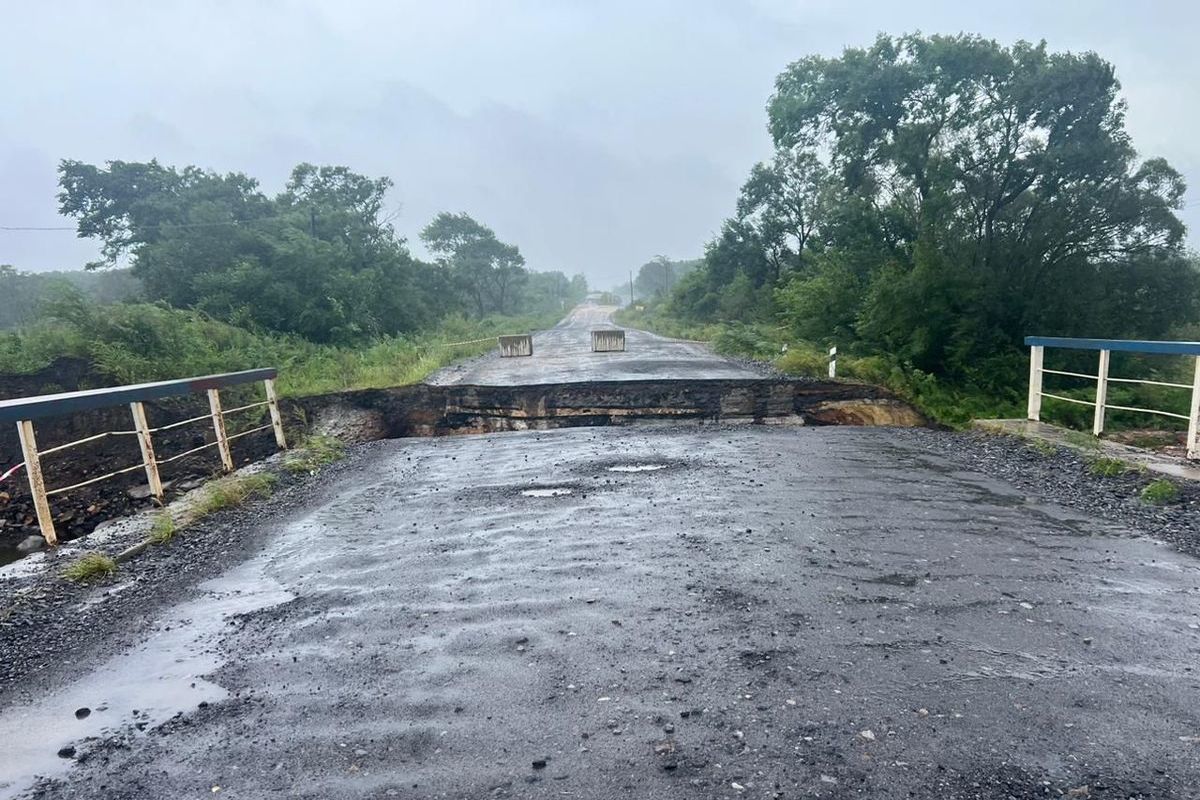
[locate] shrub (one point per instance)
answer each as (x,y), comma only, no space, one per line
(89,567)
(1160,492)
(1107,467)
(164,529)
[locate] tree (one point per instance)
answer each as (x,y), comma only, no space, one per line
(657,277)
(488,272)
(319,259)
(1006,171)
(938,198)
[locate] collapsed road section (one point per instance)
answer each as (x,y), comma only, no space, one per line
(424,410)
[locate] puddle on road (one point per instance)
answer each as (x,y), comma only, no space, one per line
(637,467)
(142,687)
(548,491)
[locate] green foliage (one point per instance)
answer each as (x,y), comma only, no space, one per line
(657,277)
(24,294)
(749,341)
(89,567)
(1160,492)
(232,491)
(1042,446)
(932,200)
(319,260)
(134,343)
(313,453)
(1107,467)
(487,272)
(1081,440)
(163,529)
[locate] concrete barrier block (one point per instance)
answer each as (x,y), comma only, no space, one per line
(608,341)
(513,346)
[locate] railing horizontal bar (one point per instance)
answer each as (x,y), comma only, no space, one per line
(182,422)
(186,453)
(1152,383)
(1123,345)
(1071,374)
(94,480)
(1069,399)
(247,433)
(51,405)
(1147,411)
(85,440)
(247,407)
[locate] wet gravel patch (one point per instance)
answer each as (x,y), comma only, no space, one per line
(1064,476)
(46,621)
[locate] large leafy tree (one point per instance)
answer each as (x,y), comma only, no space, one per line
(940,197)
(320,259)
(489,273)
(660,275)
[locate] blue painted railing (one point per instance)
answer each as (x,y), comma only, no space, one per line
(1038,344)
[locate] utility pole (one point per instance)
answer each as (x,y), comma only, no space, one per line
(631,289)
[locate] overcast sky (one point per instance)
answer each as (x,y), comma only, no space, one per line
(593,135)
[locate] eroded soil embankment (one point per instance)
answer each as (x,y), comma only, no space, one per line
(418,410)
(424,410)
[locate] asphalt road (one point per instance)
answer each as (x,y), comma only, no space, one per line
(563,354)
(825,612)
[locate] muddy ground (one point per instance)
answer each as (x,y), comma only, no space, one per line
(775,612)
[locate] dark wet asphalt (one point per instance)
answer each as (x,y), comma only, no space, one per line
(779,612)
(563,354)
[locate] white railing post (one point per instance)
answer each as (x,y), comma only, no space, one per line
(37,486)
(147,446)
(1034,408)
(218,418)
(276,419)
(1193,444)
(1101,393)
(833,361)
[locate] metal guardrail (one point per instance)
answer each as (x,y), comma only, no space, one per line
(1038,344)
(24,410)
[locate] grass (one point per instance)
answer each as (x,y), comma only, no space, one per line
(313,453)
(1042,446)
(89,567)
(1108,467)
(139,342)
(232,491)
(1082,440)
(1160,492)
(164,528)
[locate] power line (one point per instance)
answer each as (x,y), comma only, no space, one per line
(161,225)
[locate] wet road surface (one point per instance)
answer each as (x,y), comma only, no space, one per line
(564,354)
(667,612)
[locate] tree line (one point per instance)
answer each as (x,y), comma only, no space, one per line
(320,259)
(937,198)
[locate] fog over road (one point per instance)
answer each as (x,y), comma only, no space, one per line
(665,611)
(564,354)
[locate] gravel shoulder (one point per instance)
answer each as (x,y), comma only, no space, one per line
(51,628)
(1063,475)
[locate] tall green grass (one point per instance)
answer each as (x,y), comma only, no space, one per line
(131,343)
